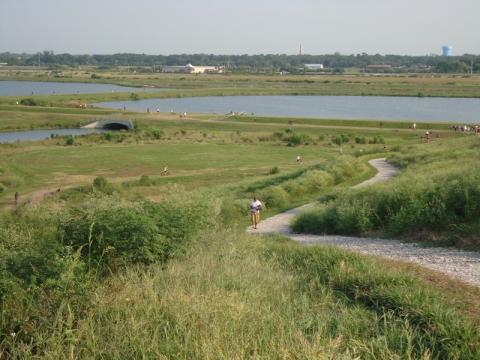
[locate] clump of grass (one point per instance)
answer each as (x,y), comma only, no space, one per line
(273,171)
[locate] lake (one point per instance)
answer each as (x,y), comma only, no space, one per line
(34,135)
(23,88)
(459,110)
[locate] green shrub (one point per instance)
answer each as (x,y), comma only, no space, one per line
(112,232)
(274,197)
(69,140)
(102,185)
(107,136)
(182,216)
(377,140)
(295,139)
(274,170)
(37,275)
(29,102)
(341,139)
(360,140)
(145,181)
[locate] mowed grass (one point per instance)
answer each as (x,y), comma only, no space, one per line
(51,166)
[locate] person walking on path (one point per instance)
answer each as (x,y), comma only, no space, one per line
(255,207)
(16,196)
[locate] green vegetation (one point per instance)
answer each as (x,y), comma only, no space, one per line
(108,256)
(435,198)
(221,294)
(267,63)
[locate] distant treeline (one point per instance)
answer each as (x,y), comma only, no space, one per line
(254,63)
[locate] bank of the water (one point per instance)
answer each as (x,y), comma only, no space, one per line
(455,110)
(35,135)
(29,88)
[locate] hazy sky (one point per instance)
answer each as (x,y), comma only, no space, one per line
(415,27)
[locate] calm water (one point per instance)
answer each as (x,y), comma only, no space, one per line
(22,88)
(11,137)
(333,107)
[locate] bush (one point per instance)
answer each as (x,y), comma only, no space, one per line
(112,232)
(102,185)
(37,275)
(69,140)
(145,181)
(274,197)
(28,102)
(298,139)
(274,170)
(341,139)
(377,140)
(182,216)
(107,136)
(360,140)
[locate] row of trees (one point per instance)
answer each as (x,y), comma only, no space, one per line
(272,62)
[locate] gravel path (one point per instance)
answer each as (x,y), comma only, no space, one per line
(463,265)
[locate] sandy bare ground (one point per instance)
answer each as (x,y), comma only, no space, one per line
(459,264)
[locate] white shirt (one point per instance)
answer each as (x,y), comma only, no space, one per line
(255,206)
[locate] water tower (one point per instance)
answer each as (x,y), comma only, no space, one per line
(447,50)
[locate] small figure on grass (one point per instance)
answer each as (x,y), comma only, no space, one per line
(165,171)
(16,197)
(255,207)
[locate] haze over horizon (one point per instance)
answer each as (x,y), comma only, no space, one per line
(226,27)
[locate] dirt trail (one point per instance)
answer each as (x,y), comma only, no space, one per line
(459,264)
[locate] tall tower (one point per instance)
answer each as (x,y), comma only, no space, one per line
(300,52)
(447,50)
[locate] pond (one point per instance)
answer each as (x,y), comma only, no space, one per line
(24,88)
(460,110)
(34,135)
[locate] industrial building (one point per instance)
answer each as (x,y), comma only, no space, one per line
(313,67)
(191,69)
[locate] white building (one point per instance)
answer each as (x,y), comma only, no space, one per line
(313,67)
(190,69)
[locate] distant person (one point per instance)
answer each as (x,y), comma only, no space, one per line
(165,170)
(148,110)
(16,197)
(414,126)
(298,159)
(255,207)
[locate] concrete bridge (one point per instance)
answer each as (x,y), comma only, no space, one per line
(110,124)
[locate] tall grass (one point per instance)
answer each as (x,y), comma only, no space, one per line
(49,260)
(437,197)
(237,297)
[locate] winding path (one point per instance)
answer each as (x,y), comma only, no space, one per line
(463,265)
